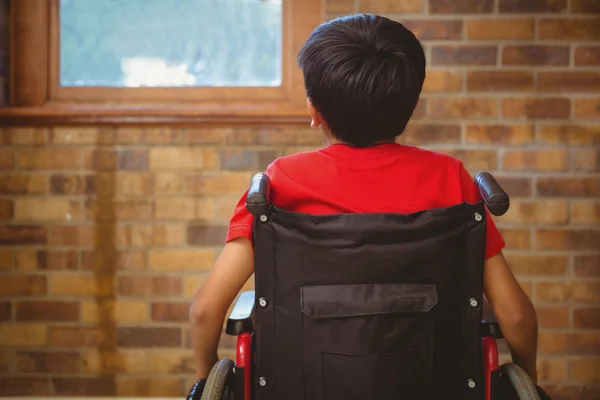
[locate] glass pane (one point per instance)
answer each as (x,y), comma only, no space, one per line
(158,43)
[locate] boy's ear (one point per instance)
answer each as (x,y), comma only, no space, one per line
(317,120)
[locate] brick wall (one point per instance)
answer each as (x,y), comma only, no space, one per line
(105,233)
(3,52)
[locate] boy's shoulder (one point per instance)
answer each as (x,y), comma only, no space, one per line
(313,159)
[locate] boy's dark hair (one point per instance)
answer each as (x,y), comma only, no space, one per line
(364,74)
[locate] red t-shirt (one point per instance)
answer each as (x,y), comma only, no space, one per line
(385,178)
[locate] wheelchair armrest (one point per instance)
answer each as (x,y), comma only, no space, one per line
(495,198)
(240,319)
(489,324)
(258,200)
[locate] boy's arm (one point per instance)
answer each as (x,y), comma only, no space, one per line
(233,268)
(515,313)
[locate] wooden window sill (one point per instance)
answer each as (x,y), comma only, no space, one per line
(150,114)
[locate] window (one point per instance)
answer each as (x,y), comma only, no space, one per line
(156,43)
(128,60)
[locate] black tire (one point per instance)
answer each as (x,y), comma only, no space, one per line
(216,384)
(520,381)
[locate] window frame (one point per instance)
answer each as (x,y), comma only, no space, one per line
(35,94)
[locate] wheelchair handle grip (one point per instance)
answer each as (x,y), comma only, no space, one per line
(258,200)
(495,198)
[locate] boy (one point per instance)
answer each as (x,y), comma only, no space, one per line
(363,76)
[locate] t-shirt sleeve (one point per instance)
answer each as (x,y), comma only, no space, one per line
(494,243)
(240,224)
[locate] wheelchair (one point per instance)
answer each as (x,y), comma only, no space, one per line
(367,306)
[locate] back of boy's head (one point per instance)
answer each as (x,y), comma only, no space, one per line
(364,75)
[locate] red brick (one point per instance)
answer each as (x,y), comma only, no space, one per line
(24,184)
(132,260)
(6,209)
(587,56)
(24,386)
(532,6)
(568,187)
(569,81)
(553,317)
(240,160)
(442,81)
(587,265)
(47,311)
(109,160)
(28,260)
(535,55)
(270,135)
(151,387)
(537,265)
(27,135)
(231,183)
(183,158)
(7,159)
(149,135)
(149,286)
(544,212)
(573,392)
(72,184)
(85,386)
(23,285)
(76,235)
(585,6)
(585,212)
(587,108)
(124,210)
(203,235)
(567,239)
(569,29)
(83,135)
(552,343)
(60,362)
(5,311)
(536,160)
(48,159)
(476,159)
(461,6)
(339,6)
(149,337)
(390,6)
(586,318)
(518,239)
(6,360)
(516,186)
(47,209)
(463,107)
(23,235)
(500,29)
(170,312)
(78,336)
(584,342)
(420,134)
(427,29)
(500,134)
(499,81)
(536,108)
(570,134)
(146,235)
(587,160)
(464,55)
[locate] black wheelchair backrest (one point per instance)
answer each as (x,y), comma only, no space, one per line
(370,306)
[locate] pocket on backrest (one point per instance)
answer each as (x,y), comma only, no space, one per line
(367,340)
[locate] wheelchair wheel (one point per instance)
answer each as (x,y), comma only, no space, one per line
(520,381)
(216,384)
